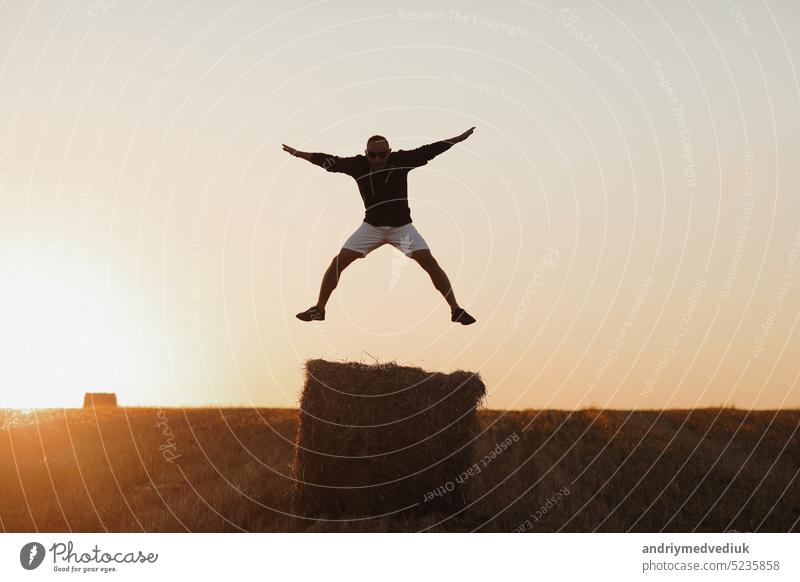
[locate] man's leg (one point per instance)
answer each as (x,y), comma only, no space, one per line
(331,277)
(329,281)
(437,274)
(407,238)
(363,241)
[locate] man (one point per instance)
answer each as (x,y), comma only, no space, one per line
(381,176)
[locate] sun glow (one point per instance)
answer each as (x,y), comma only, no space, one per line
(60,336)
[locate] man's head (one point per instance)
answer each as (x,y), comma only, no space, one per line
(378,151)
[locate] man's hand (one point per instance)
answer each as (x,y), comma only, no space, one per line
(297,153)
(463,136)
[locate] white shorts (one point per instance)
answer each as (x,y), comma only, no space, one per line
(367,238)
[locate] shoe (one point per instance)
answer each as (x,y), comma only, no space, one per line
(461,316)
(313,313)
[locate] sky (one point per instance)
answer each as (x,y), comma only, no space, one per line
(623,223)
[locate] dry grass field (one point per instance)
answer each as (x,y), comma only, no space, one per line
(210,470)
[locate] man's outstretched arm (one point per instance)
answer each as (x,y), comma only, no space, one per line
(297,153)
(462,136)
(326,161)
(423,154)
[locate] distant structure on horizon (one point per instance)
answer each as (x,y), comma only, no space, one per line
(94,399)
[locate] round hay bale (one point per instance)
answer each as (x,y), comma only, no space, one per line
(378,439)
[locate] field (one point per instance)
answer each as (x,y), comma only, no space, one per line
(144,469)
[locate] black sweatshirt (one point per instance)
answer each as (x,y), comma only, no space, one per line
(385,191)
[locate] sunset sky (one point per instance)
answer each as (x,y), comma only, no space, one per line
(624,223)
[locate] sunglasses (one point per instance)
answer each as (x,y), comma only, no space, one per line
(377,154)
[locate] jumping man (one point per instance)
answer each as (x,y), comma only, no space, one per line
(381,176)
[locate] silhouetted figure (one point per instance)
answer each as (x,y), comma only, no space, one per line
(381,176)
